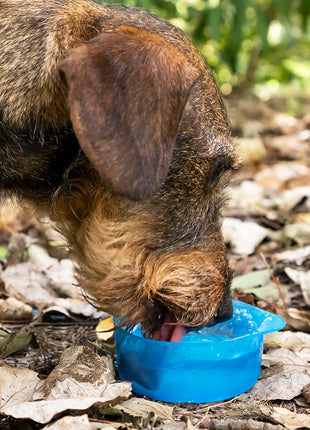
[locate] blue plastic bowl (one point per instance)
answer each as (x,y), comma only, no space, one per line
(209,364)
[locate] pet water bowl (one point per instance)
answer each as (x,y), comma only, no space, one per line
(209,364)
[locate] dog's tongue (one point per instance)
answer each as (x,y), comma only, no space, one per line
(171,331)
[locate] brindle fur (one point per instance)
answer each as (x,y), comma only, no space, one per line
(144,243)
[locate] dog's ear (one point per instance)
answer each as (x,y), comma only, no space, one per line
(127,92)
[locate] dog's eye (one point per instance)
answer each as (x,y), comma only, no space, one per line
(215,174)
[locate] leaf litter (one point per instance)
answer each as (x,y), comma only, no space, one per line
(51,374)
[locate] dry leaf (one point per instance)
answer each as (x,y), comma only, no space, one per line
(81,380)
(14,310)
(243,236)
(251,280)
(29,281)
(283,356)
(56,314)
(287,339)
(80,423)
(80,307)
(16,248)
(180,425)
(278,382)
(274,177)
(251,150)
(301,278)
(142,407)
(306,393)
(80,373)
(103,326)
(297,255)
(291,198)
(298,342)
(296,319)
(298,232)
(292,420)
(17,385)
(39,288)
(43,411)
(70,423)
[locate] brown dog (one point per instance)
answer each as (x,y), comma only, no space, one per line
(111,123)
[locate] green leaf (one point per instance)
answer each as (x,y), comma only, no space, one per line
(304,10)
(251,280)
(262,28)
(3,252)
(298,67)
(214,21)
(13,342)
(256,283)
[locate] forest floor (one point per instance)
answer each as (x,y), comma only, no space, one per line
(267,230)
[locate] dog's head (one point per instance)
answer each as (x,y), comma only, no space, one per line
(128,89)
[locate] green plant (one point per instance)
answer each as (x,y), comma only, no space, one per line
(245,42)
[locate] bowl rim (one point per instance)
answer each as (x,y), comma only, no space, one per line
(278,324)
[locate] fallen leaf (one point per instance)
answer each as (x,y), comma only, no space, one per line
(297,255)
(56,314)
(292,420)
(298,232)
(17,385)
(249,199)
(17,248)
(3,253)
(80,307)
(39,289)
(29,281)
(278,382)
(13,342)
(181,425)
(251,150)
(43,411)
(287,339)
(143,407)
(295,318)
(255,283)
(297,342)
(306,393)
(82,379)
(243,236)
(60,273)
(103,327)
(80,373)
(274,177)
(254,279)
(291,198)
(80,423)
(70,423)
(283,356)
(14,310)
(301,217)
(301,278)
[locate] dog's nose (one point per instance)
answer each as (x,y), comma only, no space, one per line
(225,311)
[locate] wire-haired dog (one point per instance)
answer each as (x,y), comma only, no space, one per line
(111,122)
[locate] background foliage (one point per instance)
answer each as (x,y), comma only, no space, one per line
(261,44)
